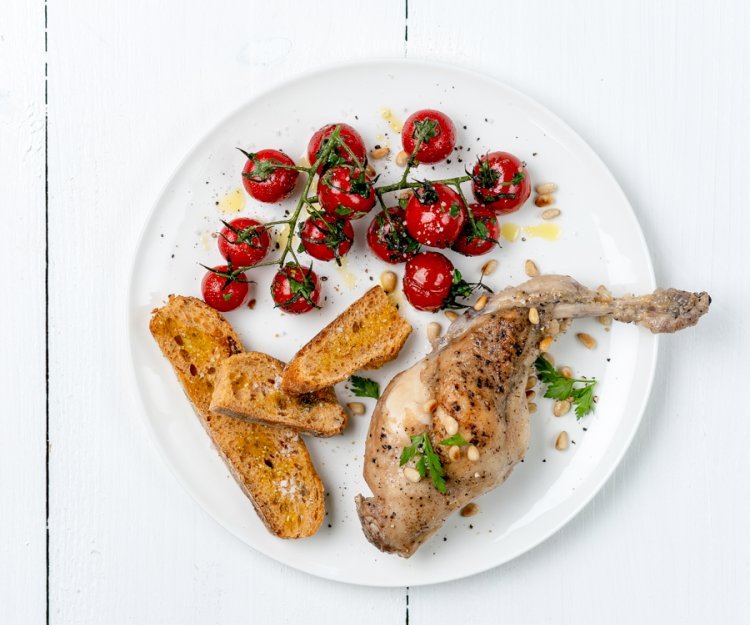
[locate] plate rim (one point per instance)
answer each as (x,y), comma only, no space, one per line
(136,390)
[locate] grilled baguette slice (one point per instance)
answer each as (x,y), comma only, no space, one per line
(248,386)
(271,465)
(366,335)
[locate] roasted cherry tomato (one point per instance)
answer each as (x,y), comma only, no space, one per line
(295,289)
(346,192)
(389,239)
(244,242)
(224,289)
(263,177)
(340,155)
(501,182)
(437,134)
(326,237)
(481,236)
(428,279)
(435,215)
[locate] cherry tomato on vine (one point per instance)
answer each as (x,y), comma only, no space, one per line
(346,192)
(389,239)
(437,134)
(263,177)
(481,236)
(244,242)
(326,237)
(500,181)
(295,289)
(224,288)
(428,279)
(340,155)
(435,215)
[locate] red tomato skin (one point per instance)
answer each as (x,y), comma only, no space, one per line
(380,227)
(311,232)
(282,293)
(244,254)
(428,278)
(278,186)
(477,247)
(337,197)
(505,165)
(435,149)
(432,223)
(214,293)
(348,135)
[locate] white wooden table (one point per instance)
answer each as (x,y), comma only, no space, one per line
(99,100)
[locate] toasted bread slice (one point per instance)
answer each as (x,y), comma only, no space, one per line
(271,464)
(366,335)
(248,386)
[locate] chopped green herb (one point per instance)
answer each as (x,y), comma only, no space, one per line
(561,388)
(365,387)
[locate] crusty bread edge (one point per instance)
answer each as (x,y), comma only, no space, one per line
(290,381)
(238,477)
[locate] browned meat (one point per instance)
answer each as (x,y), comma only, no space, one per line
(477,376)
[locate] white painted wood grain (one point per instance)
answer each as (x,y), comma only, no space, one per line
(132,87)
(659,89)
(661,92)
(22,340)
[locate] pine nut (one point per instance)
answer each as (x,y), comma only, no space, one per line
(388,281)
(532,407)
(450,425)
(370,171)
(534,316)
(433,331)
(546,343)
(543,188)
(380,152)
(544,200)
(531,382)
(531,269)
(489,267)
(561,408)
(566,372)
(405,194)
(561,442)
(588,341)
(530,395)
(430,406)
(356,407)
(605,320)
(551,213)
(548,357)
(472,453)
(412,474)
(452,315)
(480,303)
(454,453)
(401,158)
(470,509)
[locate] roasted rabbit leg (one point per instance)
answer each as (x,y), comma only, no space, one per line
(474,382)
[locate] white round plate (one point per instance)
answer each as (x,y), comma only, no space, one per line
(600,243)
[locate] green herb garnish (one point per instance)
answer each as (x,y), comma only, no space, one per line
(561,388)
(427,460)
(364,387)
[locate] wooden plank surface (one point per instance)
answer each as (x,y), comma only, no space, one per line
(23,570)
(133,86)
(660,90)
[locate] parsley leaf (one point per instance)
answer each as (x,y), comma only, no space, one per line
(428,461)
(365,387)
(561,388)
(456,439)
